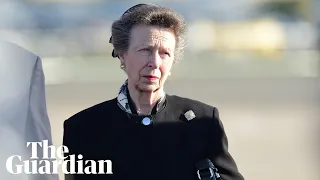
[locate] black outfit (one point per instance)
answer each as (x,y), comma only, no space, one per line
(168,149)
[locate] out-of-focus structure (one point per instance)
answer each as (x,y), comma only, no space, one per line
(268,29)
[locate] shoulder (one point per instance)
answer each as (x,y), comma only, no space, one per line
(20,63)
(188,101)
(197,106)
(13,51)
(88,115)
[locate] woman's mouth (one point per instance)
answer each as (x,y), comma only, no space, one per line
(151,77)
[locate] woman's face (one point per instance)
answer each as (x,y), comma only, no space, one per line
(149,58)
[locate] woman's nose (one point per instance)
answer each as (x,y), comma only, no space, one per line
(155,60)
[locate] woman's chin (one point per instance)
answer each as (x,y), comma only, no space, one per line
(148,87)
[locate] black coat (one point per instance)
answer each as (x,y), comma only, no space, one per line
(168,149)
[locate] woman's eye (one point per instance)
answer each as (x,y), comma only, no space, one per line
(166,53)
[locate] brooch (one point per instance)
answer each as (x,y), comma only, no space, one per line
(189,115)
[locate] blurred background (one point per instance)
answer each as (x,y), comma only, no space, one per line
(256,60)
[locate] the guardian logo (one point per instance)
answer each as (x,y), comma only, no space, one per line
(51,164)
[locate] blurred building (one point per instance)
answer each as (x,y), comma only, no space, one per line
(55,28)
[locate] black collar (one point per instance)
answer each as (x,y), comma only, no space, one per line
(158,106)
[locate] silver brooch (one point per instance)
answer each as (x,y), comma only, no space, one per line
(189,115)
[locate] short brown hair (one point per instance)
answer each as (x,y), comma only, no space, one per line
(150,15)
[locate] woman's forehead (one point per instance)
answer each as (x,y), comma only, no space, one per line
(152,35)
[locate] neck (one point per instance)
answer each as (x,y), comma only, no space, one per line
(144,101)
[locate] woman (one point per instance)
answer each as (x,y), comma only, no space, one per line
(146,133)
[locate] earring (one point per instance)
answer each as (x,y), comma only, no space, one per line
(122,65)
(169,74)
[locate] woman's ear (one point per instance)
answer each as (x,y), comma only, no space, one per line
(121,57)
